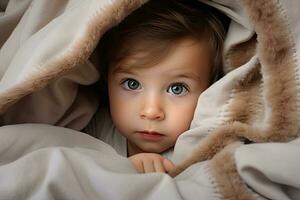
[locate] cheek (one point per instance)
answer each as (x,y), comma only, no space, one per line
(182,115)
(121,109)
(117,110)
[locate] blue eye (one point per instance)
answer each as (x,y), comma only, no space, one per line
(131,84)
(178,89)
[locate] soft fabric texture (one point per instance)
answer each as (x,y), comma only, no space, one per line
(243,142)
(102,127)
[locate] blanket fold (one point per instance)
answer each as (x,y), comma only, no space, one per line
(243,141)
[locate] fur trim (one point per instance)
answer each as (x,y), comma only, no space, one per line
(278,66)
(246,103)
(239,54)
(99,24)
(230,185)
(279,94)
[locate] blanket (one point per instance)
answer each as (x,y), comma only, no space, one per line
(243,142)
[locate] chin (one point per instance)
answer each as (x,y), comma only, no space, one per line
(153,150)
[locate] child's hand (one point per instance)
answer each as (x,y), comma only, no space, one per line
(151,162)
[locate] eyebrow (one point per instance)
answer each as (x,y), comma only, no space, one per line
(188,76)
(122,70)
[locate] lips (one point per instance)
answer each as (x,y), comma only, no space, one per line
(151,135)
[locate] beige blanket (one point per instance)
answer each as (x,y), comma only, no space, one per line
(243,142)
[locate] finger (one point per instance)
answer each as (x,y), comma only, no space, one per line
(158,166)
(148,165)
(168,165)
(138,165)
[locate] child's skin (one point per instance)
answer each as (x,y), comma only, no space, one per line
(152,106)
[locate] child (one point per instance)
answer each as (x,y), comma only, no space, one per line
(156,64)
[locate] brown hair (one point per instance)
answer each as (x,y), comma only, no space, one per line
(156,26)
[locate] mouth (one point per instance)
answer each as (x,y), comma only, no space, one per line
(151,135)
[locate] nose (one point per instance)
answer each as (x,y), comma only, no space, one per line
(152,109)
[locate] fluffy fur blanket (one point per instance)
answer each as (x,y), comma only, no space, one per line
(243,142)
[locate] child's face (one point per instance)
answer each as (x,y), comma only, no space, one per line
(152,106)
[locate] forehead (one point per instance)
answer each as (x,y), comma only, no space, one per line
(186,55)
